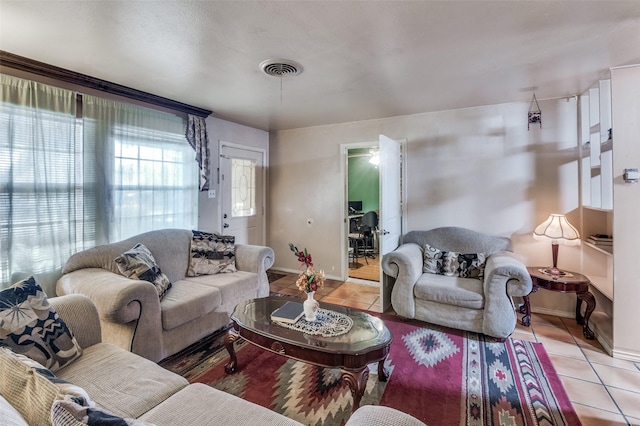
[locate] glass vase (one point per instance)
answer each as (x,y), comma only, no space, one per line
(310,306)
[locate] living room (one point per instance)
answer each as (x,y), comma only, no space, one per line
(478,166)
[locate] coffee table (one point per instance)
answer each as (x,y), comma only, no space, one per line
(367,342)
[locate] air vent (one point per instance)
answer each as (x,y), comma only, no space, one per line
(280,67)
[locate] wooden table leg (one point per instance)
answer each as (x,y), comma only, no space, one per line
(526,310)
(229,339)
(584,321)
(357,381)
(383,374)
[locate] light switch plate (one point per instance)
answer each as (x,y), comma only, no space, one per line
(631,175)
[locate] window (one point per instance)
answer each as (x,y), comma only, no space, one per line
(243,187)
(69,183)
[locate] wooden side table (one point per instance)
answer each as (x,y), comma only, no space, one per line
(572,282)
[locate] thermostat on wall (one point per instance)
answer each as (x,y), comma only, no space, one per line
(631,175)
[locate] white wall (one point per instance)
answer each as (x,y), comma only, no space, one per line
(478,167)
(226,131)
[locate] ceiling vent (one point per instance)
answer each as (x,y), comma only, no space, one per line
(280,67)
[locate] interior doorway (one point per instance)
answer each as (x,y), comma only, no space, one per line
(363,204)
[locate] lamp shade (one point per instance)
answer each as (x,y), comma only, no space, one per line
(558,229)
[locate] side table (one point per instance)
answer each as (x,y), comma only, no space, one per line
(571,282)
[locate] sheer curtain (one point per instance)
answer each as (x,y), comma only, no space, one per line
(139,170)
(40,187)
(70,181)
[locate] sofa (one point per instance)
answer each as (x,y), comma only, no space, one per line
(106,384)
(132,314)
(458,278)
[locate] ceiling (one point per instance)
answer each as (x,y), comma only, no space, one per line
(362,59)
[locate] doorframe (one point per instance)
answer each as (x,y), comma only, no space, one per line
(263,153)
(344,159)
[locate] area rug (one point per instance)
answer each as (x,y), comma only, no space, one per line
(440,376)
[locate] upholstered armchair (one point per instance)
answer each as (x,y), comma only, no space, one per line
(458,278)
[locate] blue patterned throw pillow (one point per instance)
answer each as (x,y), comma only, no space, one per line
(453,264)
(211,254)
(29,325)
(139,264)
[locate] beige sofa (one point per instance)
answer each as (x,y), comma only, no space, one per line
(132,387)
(482,304)
(132,315)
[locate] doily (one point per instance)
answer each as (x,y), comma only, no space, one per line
(327,324)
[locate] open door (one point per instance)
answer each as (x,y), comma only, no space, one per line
(391,208)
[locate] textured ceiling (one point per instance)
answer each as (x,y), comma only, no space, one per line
(362,60)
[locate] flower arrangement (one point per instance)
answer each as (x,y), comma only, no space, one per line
(309,279)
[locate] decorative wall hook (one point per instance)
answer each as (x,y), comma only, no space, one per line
(535,115)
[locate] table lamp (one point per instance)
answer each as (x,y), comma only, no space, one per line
(558,229)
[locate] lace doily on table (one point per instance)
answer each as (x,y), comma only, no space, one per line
(327,324)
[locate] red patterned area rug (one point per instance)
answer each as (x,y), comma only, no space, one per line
(441,376)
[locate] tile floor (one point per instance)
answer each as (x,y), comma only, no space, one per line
(603,390)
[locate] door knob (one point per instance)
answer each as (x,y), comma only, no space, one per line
(226,225)
(385,232)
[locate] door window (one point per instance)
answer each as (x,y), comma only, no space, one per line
(243,187)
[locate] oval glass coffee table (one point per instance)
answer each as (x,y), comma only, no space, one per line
(367,341)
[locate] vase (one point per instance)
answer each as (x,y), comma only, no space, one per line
(310,306)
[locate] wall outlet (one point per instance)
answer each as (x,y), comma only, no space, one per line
(212,193)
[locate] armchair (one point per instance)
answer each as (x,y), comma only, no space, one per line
(462,292)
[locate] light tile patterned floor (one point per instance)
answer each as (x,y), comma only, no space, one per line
(604,390)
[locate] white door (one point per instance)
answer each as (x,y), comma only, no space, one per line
(390,220)
(242,193)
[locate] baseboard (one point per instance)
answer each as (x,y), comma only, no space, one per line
(626,355)
(553,312)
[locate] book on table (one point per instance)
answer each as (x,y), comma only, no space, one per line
(288,313)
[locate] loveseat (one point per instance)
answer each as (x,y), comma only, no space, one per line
(105,381)
(132,313)
(458,278)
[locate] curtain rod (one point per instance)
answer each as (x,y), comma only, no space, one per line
(40,68)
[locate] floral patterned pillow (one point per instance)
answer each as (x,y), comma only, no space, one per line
(29,325)
(139,264)
(453,264)
(211,254)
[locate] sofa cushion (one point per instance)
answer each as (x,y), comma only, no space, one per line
(201,405)
(30,325)
(453,264)
(139,264)
(121,382)
(233,288)
(211,254)
(455,291)
(188,301)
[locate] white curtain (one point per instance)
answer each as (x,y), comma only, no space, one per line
(68,182)
(144,176)
(41,211)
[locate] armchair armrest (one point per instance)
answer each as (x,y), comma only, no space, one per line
(405,265)
(505,267)
(256,259)
(504,277)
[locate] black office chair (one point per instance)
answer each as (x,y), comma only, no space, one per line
(357,241)
(369,228)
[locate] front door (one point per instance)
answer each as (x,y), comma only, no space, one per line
(242,198)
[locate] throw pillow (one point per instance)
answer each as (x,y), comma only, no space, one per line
(211,254)
(29,325)
(450,263)
(139,264)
